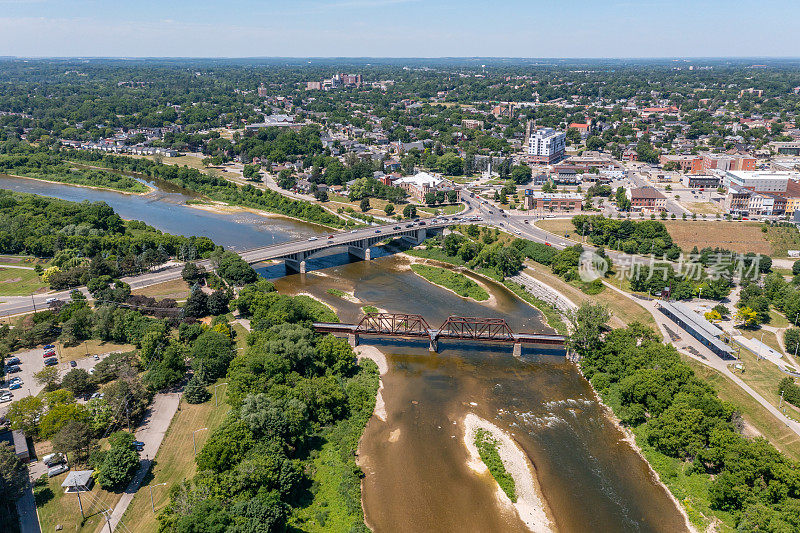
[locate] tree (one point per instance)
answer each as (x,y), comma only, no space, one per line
(410,211)
(588,322)
(197,304)
(451,164)
(196,391)
(364,205)
(746,316)
(521,174)
(212,351)
(388,209)
(430,198)
(78,381)
(218,303)
(119,464)
(250,172)
(791,339)
(192,273)
(24,413)
(233,269)
(13,474)
(48,376)
(74,437)
(796,267)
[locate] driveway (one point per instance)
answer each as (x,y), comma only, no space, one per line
(151,432)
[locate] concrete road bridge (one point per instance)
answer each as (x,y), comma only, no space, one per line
(357,242)
(492,330)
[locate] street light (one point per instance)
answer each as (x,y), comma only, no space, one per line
(152,504)
(216,398)
(194,443)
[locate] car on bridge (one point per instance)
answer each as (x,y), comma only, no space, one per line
(397,227)
(313,239)
(377,231)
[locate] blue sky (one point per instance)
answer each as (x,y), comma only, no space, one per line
(400,28)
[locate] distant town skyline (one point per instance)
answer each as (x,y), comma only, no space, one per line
(398,28)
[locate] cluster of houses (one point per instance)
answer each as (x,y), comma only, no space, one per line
(119,147)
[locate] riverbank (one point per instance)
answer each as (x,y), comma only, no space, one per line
(222,208)
(630,439)
(530,504)
(148,188)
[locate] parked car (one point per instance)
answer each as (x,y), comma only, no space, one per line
(50,362)
(14,380)
(53,459)
(47,354)
(139,445)
(15,386)
(49,346)
(56,470)
(13,361)
(7,397)
(13,369)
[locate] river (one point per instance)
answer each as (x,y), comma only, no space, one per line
(417,477)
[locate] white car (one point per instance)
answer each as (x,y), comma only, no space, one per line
(7,397)
(56,470)
(313,239)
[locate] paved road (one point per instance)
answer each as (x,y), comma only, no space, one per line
(151,432)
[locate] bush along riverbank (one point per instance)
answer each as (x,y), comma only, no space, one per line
(689,436)
(454,281)
(487,449)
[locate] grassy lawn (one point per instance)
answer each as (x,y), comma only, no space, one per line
(174,461)
(176,289)
(783,239)
(754,413)
(20,282)
(443,210)
(778,320)
(764,376)
(707,208)
(90,347)
(559,226)
(455,281)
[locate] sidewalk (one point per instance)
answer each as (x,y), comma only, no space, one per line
(154,426)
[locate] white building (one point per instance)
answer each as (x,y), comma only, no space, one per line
(759,181)
(546,145)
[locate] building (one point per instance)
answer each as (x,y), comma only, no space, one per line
(313,86)
(550,202)
(17,440)
(275,121)
(786,148)
(472,124)
(728,162)
(686,163)
(419,184)
(262,91)
(699,181)
(759,181)
(78,481)
(503,110)
(546,145)
(697,326)
(647,199)
(583,129)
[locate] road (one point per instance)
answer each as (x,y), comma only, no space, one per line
(151,432)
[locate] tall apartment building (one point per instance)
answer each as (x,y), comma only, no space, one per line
(546,145)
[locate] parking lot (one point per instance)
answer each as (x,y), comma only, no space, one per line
(31,362)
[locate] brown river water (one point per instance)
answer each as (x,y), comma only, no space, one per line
(415,462)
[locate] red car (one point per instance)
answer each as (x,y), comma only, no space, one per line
(49,353)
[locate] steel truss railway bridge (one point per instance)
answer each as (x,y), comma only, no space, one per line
(473,329)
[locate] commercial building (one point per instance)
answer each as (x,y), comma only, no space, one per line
(421,184)
(546,145)
(697,326)
(786,148)
(728,162)
(759,181)
(647,199)
(686,163)
(550,202)
(700,181)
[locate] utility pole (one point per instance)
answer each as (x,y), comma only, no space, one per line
(80,503)
(34,303)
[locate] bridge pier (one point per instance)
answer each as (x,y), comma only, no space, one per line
(361,252)
(517,349)
(295,265)
(433,346)
(352,338)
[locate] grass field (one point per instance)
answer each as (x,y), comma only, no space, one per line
(20,282)
(90,347)
(754,413)
(176,289)
(783,239)
(455,281)
(174,461)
